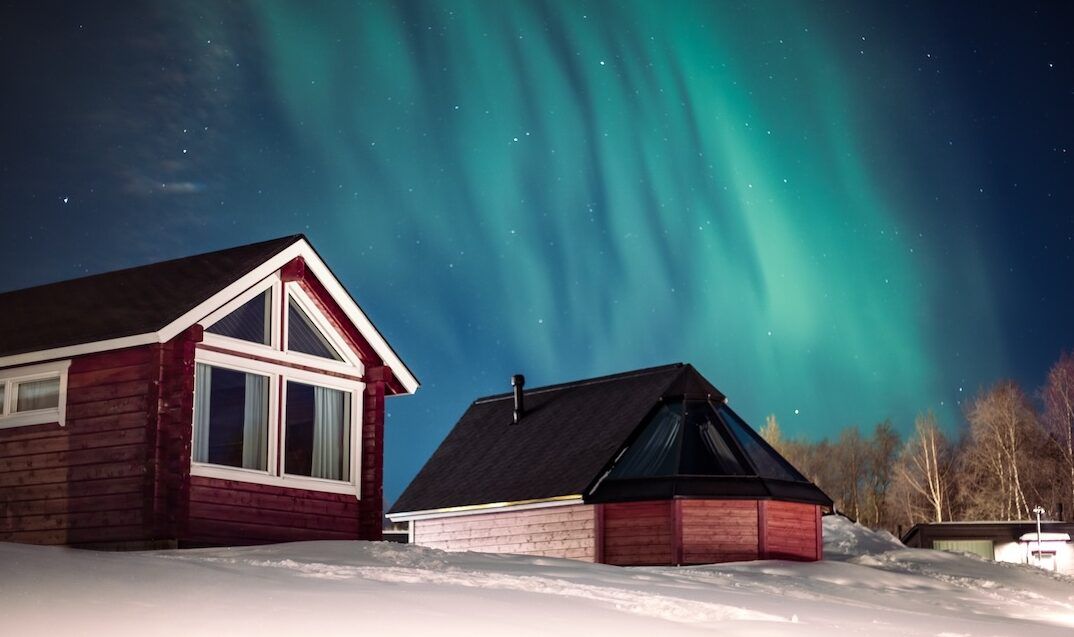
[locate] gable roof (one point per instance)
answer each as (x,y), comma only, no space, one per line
(568,438)
(153,303)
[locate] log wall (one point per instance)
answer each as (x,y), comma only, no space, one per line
(720,530)
(639,533)
(559,531)
(86,482)
(793,531)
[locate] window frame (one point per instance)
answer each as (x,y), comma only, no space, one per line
(281,365)
(15,376)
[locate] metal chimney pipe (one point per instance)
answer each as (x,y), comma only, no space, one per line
(517,381)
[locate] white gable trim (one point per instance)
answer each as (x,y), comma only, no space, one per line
(298,249)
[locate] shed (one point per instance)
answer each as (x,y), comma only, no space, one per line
(648,467)
(1014,541)
(233,397)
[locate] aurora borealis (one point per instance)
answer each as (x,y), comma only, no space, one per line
(839,213)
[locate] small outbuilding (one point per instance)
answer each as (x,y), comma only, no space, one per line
(233,397)
(649,467)
(1001,540)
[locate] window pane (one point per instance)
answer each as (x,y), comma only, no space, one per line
(656,451)
(250,321)
(3,387)
(318,432)
(230,418)
(303,336)
(704,450)
(38,394)
(768,462)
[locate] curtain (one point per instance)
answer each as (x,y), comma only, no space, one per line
(38,394)
(254,421)
(203,382)
(331,434)
(655,452)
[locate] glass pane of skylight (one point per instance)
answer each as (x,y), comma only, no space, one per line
(38,394)
(769,463)
(705,452)
(656,451)
(250,322)
(303,336)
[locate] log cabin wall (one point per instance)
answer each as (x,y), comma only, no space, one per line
(720,530)
(793,531)
(639,533)
(559,531)
(85,483)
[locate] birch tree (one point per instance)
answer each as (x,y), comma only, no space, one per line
(1058,395)
(923,470)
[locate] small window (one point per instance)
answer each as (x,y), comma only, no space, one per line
(33,395)
(251,321)
(231,415)
(317,436)
(304,336)
(36,395)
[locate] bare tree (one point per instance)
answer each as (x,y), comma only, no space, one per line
(923,470)
(848,461)
(883,449)
(998,461)
(1058,395)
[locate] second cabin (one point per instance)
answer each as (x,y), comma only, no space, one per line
(650,467)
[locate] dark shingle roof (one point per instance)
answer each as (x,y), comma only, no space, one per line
(568,437)
(122,303)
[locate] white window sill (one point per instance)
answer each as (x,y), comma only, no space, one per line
(31,418)
(262,477)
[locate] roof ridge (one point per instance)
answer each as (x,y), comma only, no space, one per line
(583,382)
(291,239)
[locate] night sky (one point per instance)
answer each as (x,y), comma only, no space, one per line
(838,212)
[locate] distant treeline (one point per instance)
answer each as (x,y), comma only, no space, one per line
(1012,452)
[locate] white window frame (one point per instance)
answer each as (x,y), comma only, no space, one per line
(279,374)
(13,377)
(320,322)
(271,283)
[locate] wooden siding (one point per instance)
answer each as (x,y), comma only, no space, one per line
(639,533)
(229,512)
(559,531)
(719,530)
(792,531)
(86,482)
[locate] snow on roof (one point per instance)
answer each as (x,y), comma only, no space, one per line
(1045,537)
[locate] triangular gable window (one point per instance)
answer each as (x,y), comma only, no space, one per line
(251,321)
(304,336)
(768,462)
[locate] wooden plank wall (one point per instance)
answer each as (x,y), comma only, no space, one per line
(792,531)
(560,531)
(639,533)
(719,530)
(229,513)
(84,483)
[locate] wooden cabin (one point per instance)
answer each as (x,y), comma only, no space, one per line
(650,467)
(235,397)
(1014,541)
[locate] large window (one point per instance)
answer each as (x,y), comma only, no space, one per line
(33,395)
(277,397)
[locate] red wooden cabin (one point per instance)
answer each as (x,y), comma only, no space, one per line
(235,397)
(650,467)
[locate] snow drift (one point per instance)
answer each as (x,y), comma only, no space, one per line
(869,585)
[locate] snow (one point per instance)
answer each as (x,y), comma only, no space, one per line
(868,585)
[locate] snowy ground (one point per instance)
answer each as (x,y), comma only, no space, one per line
(869,585)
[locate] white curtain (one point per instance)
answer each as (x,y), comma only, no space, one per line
(203,382)
(38,394)
(331,434)
(254,421)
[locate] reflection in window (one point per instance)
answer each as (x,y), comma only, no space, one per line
(317,435)
(769,464)
(656,451)
(303,336)
(250,322)
(230,418)
(705,452)
(37,394)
